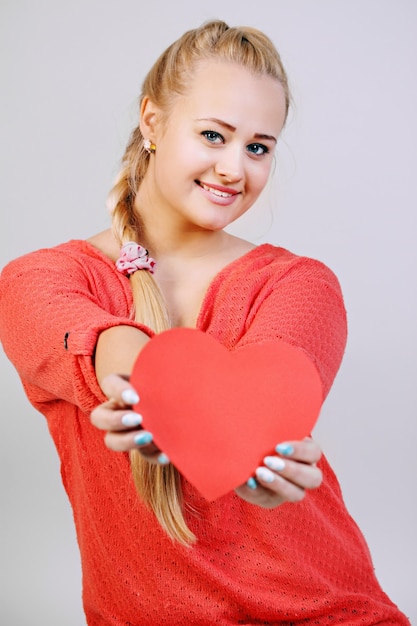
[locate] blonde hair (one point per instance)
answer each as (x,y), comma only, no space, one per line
(160,486)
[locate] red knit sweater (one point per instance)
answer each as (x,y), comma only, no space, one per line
(299,563)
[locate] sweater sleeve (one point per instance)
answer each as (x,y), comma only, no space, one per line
(305,308)
(53,307)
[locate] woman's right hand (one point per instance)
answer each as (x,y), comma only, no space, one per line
(121,424)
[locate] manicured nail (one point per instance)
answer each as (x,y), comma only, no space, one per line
(129,396)
(163,459)
(131,419)
(143,438)
(263,473)
(274,463)
(286,449)
(251,483)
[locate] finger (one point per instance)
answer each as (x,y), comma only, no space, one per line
(259,495)
(118,389)
(107,417)
(305,476)
(141,440)
(306,451)
(283,489)
(152,454)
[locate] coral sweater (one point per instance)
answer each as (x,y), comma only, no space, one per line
(299,563)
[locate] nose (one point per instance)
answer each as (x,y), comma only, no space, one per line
(229,165)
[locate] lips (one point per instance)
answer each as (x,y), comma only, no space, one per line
(217,190)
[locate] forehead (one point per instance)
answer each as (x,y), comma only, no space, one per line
(231,92)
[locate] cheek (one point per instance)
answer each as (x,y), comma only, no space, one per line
(191,160)
(201,157)
(260,177)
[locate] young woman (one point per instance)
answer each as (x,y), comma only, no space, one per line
(280,548)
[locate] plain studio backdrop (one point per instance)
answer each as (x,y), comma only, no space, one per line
(344,191)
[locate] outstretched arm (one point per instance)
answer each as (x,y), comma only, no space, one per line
(116,351)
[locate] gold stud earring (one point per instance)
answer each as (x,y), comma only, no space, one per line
(149,146)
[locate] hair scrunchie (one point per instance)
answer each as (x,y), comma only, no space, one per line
(134,257)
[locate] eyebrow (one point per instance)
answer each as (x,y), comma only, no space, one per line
(232,128)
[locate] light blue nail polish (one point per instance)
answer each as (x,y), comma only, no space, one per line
(131,419)
(143,438)
(263,473)
(274,463)
(251,483)
(286,449)
(163,459)
(129,396)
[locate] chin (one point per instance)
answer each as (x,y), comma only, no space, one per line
(215,226)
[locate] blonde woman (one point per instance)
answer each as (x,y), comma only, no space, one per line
(280,548)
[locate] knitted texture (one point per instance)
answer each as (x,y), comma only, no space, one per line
(296,564)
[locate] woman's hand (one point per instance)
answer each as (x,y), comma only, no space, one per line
(121,423)
(286,476)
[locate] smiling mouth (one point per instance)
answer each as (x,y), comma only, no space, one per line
(217,192)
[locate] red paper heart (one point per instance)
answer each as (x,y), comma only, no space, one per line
(216,413)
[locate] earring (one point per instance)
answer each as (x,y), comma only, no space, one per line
(149,146)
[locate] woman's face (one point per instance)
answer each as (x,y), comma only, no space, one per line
(214,153)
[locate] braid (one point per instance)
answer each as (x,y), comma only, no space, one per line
(158,486)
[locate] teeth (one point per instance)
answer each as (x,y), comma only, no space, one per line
(222,194)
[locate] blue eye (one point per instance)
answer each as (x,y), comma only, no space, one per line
(257,149)
(212,136)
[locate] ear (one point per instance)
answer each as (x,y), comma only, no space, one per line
(149,118)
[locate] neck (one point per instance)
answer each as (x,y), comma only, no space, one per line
(188,245)
(168,236)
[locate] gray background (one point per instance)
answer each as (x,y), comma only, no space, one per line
(344,192)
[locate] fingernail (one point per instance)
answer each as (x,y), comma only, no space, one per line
(251,483)
(129,396)
(163,459)
(131,419)
(274,463)
(142,438)
(286,449)
(263,473)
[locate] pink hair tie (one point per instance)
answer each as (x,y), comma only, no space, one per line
(134,257)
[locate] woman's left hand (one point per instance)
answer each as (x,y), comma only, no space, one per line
(286,476)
